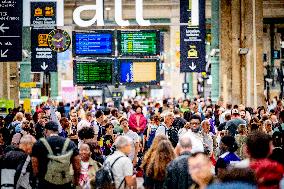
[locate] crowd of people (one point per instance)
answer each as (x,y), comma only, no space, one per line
(173,144)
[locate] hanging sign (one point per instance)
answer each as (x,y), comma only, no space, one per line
(192,36)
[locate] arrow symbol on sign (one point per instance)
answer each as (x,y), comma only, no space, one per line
(193,66)
(44,66)
(3,54)
(2,28)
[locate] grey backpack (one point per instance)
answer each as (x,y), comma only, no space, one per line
(59,168)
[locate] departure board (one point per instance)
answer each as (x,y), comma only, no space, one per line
(138,71)
(88,73)
(135,43)
(94,43)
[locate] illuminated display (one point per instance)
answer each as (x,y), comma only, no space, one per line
(132,71)
(145,43)
(98,43)
(93,72)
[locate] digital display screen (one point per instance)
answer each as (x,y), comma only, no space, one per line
(97,43)
(93,72)
(143,71)
(145,43)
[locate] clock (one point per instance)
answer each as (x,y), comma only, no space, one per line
(59,40)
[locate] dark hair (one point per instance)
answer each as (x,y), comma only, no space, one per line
(238,174)
(114,111)
(228,116)
(230,142)
(187,115)
(108,125)
(86,133)
(281,115)
(195,117)
(255,139)
(200,153)
(99,113)
(122,119)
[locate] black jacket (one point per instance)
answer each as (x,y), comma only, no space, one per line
(177,173)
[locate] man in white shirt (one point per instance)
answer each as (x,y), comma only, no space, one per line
(122,166)
(135,139)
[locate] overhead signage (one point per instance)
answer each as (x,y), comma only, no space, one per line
(99,16)
(43,14)
(93,73)
(192,36)
(93,43)
(139,43)
(11,24)
(43,59)
(139,71)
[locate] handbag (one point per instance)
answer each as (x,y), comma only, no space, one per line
(24,179)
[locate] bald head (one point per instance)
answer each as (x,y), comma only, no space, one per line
(26,143)
(185,143)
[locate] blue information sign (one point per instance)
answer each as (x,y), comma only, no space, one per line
(99,43)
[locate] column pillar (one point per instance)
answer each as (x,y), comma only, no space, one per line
(226,50)
(190,82)
(215,45)
(53,84)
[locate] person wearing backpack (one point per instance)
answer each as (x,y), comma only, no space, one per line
(55,160)
(117,171)
(167,129)
(16,167)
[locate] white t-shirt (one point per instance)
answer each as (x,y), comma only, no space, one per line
(196,141)
(135,138)
(123,167)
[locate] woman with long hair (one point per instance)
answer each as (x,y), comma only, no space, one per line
(151,150)
(156,169)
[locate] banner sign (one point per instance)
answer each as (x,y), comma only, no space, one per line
(43,14)
(11,24)
(192,36)
(43,59)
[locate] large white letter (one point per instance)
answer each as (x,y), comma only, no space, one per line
(99,17)
(195,13)
(139,14)
(118,14)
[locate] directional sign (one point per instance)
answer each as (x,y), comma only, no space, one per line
(43,59)
(43,14)
(192,36)
(11,23)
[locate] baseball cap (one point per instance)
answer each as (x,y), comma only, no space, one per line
(51,125)
(235,111)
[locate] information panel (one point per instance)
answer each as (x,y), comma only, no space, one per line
(135,43)
(94,43)
(91,73)
(139,71)
(11,23)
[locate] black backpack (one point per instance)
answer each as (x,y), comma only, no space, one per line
(105,178)
(172,134)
